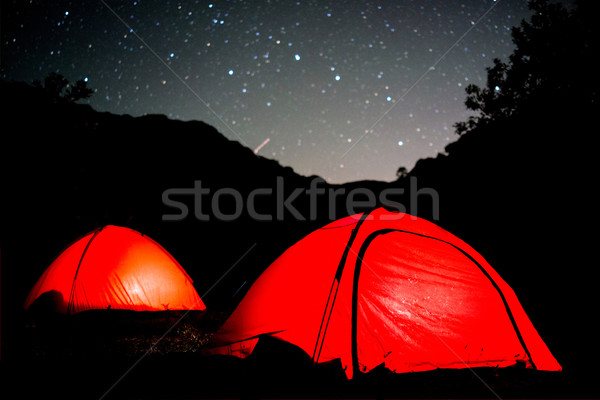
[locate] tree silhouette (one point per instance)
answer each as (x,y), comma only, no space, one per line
(78,91)
(401,172)
(57,87)
(54,84)
(541,64)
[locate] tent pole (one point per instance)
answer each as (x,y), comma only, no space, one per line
(336,284)
(70,303)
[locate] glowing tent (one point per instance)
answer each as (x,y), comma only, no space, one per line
(386,288)
(117,268)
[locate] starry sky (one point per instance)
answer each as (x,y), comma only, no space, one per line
(347,90)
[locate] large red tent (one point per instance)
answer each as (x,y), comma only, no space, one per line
(387,288)
(116,268)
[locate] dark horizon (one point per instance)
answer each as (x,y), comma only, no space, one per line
(329,88)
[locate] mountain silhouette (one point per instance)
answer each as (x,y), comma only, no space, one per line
(67,169)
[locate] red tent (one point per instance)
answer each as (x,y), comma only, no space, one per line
(387,288)
(117,268)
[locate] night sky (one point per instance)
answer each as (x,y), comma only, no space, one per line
(347,90)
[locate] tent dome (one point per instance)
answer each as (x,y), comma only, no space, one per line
(386,288)
(118,268)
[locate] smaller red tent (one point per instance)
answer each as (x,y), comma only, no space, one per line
(117,268)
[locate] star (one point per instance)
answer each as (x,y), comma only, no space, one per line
(389,68)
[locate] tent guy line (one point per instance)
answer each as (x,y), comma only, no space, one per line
(175,73)
(173,326)
(227,272)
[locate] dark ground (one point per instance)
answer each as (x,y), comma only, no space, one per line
(113,355)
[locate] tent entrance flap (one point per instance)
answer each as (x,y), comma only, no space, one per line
(362,260)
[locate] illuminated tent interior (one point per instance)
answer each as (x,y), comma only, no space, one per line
(386,288)
(115,268)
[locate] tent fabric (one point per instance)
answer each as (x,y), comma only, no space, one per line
(116,268)
(386,288)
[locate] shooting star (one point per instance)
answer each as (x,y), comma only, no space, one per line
(261,145)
